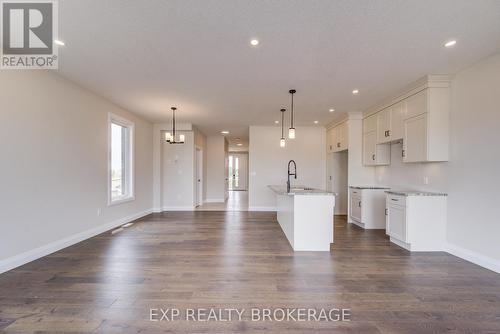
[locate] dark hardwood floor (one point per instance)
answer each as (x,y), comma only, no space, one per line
(197,260)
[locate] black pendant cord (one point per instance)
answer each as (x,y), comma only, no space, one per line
(173,125)
(283,123)
(292,91)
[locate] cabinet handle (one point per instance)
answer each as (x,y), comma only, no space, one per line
(403,153)
(388,133)
(330,147)
(386,212)
(395,200)
(359,203)
(373,157)
(338,144)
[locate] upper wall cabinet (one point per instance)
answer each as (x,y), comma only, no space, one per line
(420,118)
(390,123)
(338,138)
(427,126)
(373,153)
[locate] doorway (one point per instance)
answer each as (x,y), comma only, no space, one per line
(238,171)
(199,178)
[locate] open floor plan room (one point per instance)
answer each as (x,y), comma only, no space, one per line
(221,166)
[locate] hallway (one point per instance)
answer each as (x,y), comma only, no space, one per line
(237,201)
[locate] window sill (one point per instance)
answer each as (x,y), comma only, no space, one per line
(121,201)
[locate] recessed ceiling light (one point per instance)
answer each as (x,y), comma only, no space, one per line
(276,122)
(355,92)
(331,110)
(316,122)
(239,144)
(450,44)
(58,42)
(225,132)
(254,42)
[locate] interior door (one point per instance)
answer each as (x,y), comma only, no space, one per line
(199,177)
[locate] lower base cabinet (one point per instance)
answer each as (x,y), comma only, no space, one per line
(366,207)
(417,222)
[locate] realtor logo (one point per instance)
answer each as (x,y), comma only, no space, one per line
(27,36)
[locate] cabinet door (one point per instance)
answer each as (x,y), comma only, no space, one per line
(369,148)
(397,116)
(330,140)
(356,208)
(343,137)
(416,104)
(384,126)
(415,139)
(396,222)
(370,123)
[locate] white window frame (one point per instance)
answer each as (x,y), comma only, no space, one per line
(130,179)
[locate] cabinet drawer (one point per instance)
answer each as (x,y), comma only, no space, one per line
(396,200)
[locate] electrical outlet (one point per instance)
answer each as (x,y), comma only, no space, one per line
(426,180)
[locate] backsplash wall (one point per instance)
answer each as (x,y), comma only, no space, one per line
(410,176)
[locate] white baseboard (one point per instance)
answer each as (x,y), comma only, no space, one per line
(178,208)
(31,255)
(215,200)
(474,257)
(262,208)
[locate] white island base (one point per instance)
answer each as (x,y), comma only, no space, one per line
(306,218)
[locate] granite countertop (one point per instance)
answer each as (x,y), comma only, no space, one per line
(414,193)
(368,187)
(299,190)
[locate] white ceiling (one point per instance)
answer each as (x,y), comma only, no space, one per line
(149,55)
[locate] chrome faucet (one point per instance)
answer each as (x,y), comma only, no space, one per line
(290,174)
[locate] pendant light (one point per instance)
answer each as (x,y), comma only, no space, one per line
(171,138)
(282,140)
(291,131)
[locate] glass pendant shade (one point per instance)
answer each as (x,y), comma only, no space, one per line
(168,137)
(282,142)
(291,133)
(182,138)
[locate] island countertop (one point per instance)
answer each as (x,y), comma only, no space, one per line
(299,190)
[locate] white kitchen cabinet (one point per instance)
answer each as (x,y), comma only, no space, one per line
(355,206)
(330,140)
(384,126)
(370,124)
(426,126)
(373,153)
(367,206)
(415,139)
(338,138)
(390,123)
(416,221)
(397,116)
(420,118)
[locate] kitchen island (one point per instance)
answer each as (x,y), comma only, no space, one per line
(306,217)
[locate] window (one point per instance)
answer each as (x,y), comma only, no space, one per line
(121,148)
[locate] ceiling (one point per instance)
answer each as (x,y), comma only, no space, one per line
(149,55)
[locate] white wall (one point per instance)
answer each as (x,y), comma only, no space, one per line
(215,169)
(53,171)
(471,178)
(268,162)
